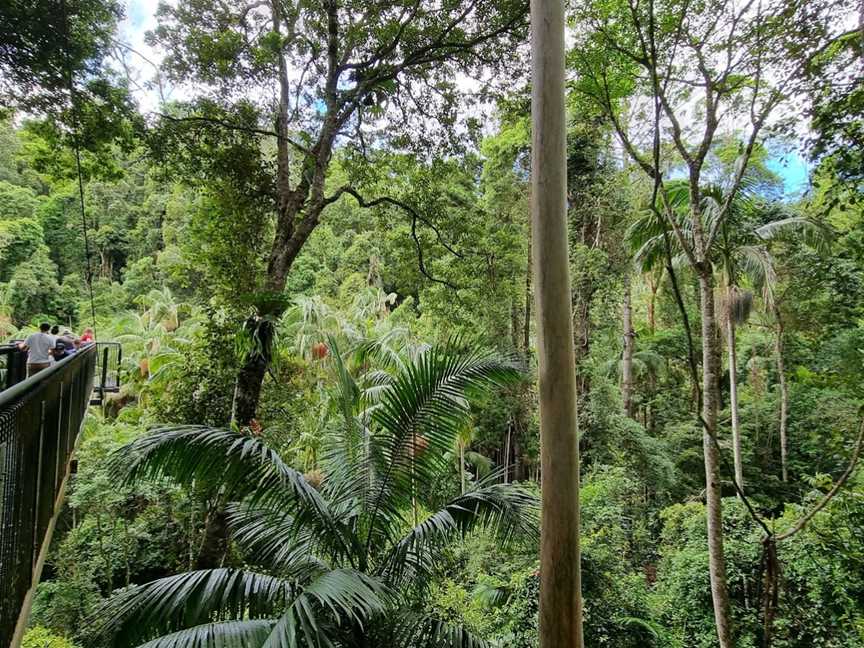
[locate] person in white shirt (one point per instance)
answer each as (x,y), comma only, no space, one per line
(38,347)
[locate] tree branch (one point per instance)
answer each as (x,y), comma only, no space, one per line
(415,216)
(236,127)
(853,460)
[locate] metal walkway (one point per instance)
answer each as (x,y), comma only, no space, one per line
(40,419)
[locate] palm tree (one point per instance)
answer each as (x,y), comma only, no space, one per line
(154,346)
(340,563)
(161,307)
(481,463)
(818,236)
(645,367)
(741,255)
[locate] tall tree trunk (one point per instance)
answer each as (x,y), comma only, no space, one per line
(214,543)
(526,324)
(298,208)
(517,455)
(560,573)
(462,467)
(784,397)
(247,388)
(653,286)
(733,400)
(713,492)
(627,358)
(506,461)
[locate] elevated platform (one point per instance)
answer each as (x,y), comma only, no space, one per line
(40,420)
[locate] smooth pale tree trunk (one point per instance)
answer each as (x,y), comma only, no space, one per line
(713,493)
(733,401)
(784,400)
(462,467)
(652,304)
(526,330)
(515,328)
(506,461)
(627,358)
(560,573)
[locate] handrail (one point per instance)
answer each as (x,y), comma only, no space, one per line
(40,419)
(16,390)
(16,364)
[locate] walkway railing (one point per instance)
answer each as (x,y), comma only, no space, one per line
(40,419)
(108,358)
(13,365)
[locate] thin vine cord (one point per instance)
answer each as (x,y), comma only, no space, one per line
(76,145)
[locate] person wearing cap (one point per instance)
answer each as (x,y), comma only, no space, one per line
(64,345)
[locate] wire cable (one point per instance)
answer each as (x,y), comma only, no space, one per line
(76,145)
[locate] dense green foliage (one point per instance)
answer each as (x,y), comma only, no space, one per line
(383,494)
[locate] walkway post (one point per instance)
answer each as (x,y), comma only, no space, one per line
(560,579)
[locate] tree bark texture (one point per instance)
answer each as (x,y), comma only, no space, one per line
(713,490)
(784,401)
(560,574)
(214,544)
(247,389)
(733,401)
(627,357)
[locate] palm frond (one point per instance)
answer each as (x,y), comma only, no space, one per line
(387,350)
(646,239)
(347,593)
(250,633)
(490,594)
(347,390)
(274,539)
(507,510)
(235,464)
(815,234)
(756,262)
(423,631)
(335,596)
(170,604)
(419,417)
(712,211)
(678,196)
(481,463)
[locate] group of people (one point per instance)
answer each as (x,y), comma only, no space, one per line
(49,345)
